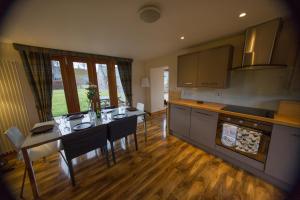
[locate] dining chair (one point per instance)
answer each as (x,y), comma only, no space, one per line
(122,128)
(82,142)
(140,107)
(17,139)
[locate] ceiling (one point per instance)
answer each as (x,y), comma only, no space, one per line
(113,27)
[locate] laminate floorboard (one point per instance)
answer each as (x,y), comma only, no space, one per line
(164,167)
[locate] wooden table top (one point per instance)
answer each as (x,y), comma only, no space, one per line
(215,107)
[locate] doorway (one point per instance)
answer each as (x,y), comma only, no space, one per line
(159,88)
(166,87)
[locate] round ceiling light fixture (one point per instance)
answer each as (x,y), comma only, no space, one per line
(149,14)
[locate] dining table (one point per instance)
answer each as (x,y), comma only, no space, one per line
(64,125)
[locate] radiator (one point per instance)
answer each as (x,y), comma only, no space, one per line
(13,110)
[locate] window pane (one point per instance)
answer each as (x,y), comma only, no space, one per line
(59,105)
(82,82)
(121,95)
(102,79)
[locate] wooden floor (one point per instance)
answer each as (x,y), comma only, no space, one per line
(163,168)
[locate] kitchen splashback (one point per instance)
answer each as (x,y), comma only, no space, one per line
(259,88)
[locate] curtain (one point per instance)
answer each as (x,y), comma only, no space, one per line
(125,73)
(37,64)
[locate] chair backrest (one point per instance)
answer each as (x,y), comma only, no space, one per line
(81,142)
(140,106)
(15,137)
(122,127)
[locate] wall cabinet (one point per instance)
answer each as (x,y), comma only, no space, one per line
(187,70)
(283,157)
(180,119)
(208,68)
(203,127)
(213,66)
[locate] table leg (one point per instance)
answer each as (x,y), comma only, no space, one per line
(145,127)
(31,175)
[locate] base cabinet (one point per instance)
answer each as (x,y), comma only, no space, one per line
(180,119)
(283,159)
(203,127)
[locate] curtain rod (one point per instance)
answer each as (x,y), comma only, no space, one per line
(21,47)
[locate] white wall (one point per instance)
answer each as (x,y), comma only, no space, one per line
(138,93)
(157,89)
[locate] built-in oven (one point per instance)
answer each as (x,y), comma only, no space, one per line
(248,137)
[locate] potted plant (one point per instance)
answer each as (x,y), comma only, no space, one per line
(91,95)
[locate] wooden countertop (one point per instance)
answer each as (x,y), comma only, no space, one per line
(215,107)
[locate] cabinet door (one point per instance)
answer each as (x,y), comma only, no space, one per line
(283,157)
(180,117)
(203,127)
(187,70)
(213,66)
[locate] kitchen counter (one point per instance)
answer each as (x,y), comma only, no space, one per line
(215,107)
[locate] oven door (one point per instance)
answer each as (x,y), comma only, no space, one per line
(249,142)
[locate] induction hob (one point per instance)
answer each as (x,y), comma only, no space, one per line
(250,111)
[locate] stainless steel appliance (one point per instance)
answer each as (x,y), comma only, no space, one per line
(245,136)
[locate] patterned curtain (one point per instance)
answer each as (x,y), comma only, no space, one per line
(124,68)
(38,69)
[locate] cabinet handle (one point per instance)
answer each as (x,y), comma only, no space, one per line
(180,108)
(203,113)
(296,135)
(189,83)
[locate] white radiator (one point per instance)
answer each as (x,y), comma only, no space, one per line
(12,106)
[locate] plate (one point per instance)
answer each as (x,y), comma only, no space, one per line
(78,116)
(42,129)
(82,126)
(119,116)
(131,109)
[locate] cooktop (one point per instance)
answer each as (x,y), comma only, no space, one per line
(250,111)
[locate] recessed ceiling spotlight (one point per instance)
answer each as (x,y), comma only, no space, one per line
(182,37)
(243,14)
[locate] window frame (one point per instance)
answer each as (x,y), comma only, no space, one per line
(69,80)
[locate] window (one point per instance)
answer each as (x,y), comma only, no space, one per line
(102,79)
(59,105)
(82,82)
(121,95)
(73,74)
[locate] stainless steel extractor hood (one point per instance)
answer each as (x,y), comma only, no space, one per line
(259,44)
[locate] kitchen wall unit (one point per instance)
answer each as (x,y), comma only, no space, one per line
(286,46)
(187,70)
(213,66)
(207,68)
(283,158)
